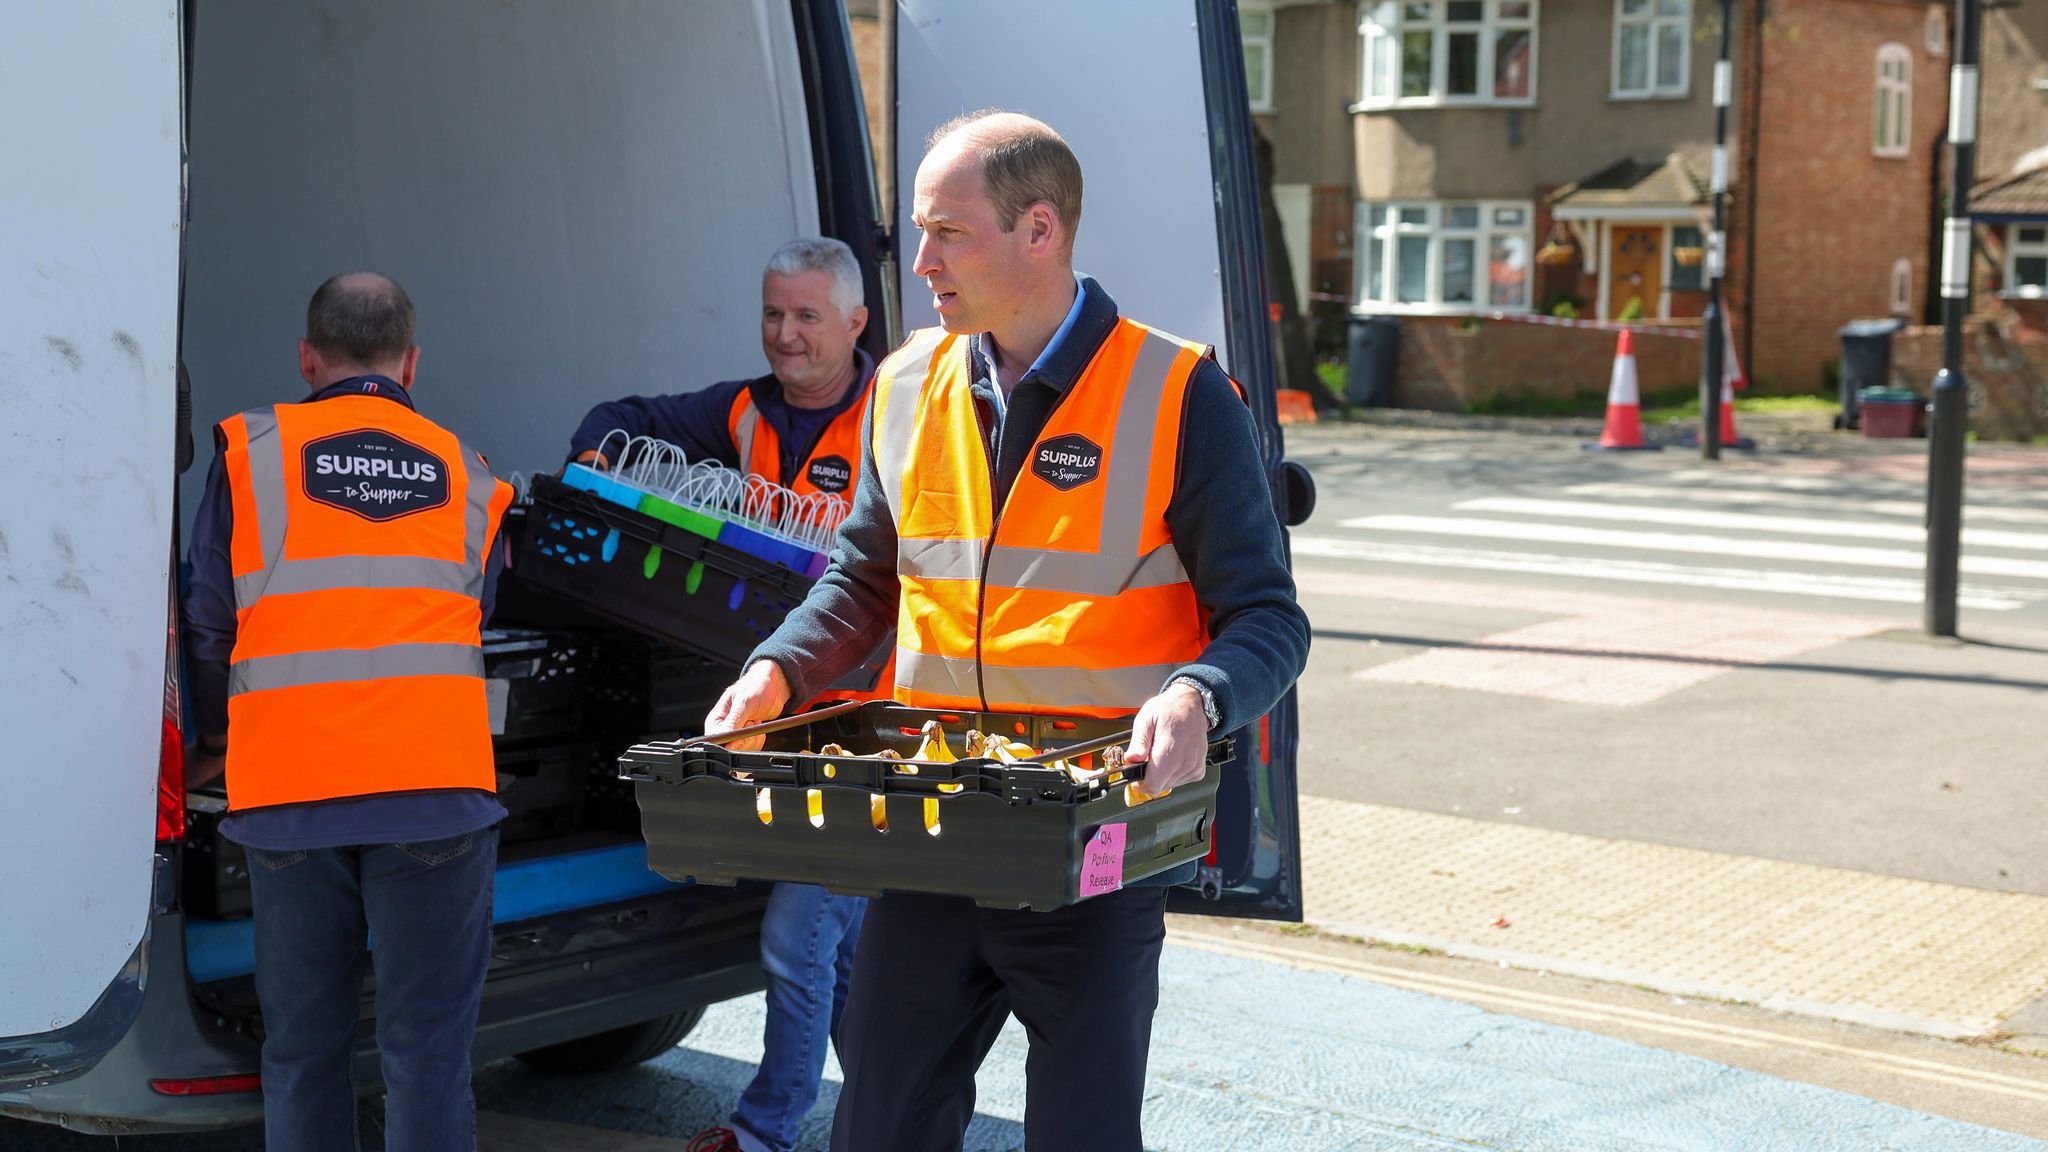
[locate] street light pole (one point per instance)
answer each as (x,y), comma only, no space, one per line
(1951,390)
(1714,367)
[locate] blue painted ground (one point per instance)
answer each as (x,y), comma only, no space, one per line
(1250,1056)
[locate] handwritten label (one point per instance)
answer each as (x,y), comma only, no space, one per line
(1102,861)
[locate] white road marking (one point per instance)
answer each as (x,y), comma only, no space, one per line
(1789,550)
(1746,522)
(1916,509)
(1883,589)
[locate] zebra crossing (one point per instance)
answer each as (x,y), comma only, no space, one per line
(1796,536)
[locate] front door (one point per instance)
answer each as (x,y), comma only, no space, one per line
(1152,98)
(1635,270)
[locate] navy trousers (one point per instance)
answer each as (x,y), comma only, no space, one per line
(934,979)
(427,908)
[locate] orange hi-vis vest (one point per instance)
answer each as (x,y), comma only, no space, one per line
(1070,598)
(361,531)
(832,466)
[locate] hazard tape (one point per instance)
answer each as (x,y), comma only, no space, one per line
(1604,325)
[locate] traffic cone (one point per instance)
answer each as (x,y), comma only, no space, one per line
(1731,379)
(1730,438)
(1624,430)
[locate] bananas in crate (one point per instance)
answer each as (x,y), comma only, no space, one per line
(934,748)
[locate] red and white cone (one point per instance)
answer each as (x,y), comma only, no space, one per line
(1731,379)
(1624,430)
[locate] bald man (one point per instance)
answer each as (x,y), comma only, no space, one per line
(342,568)
(1129,574)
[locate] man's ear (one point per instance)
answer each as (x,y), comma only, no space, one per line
(857,321)
(410,366)
(309,362)
(1044,225)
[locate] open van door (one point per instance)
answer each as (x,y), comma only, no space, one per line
(1151,95)
(89,243)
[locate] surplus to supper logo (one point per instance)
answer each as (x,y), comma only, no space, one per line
(1067,462)
(830,474)
(373,474)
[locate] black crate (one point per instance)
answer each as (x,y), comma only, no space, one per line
(536,682)
(697,594)
(215,884)
(643,687)
(1006,835)
(542,787)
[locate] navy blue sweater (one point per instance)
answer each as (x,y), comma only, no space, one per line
(1221,517)
(696,422)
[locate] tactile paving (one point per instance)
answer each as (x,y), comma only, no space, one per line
(1887,950)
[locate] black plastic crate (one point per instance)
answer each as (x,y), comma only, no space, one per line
(542,787)
(651,576)
(536,682)
(215,885)
(1006,835)
(642,686)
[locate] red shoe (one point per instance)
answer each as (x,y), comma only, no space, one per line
(714,1140)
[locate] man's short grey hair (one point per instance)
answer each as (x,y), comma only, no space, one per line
(824,254)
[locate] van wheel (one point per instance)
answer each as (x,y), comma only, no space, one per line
(616,1049)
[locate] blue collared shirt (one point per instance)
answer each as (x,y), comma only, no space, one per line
(209,619)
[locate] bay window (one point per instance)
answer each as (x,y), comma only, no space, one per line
(1424,53)
(1445,256)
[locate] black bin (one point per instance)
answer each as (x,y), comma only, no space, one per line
(1866,363)
(1374,345)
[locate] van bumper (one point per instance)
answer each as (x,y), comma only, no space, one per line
(529,1003)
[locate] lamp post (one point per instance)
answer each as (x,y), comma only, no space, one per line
(1951,389)
(1714,367)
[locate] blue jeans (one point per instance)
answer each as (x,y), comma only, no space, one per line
(428,907)
(807,941)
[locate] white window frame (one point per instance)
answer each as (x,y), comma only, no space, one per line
(1902,287)
(1435,218)
(1937,30)
(2014,249)
(1654,23)
(1894,91)
(1372,31)
(1261,101)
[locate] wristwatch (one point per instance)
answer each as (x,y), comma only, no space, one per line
(1208,698)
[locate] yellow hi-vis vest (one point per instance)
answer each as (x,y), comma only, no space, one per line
(1070,598)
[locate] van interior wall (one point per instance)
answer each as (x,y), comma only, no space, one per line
(578,197)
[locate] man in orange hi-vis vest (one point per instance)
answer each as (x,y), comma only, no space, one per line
(342,570)
(1060,511)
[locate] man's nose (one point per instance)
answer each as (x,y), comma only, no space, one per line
(927,261)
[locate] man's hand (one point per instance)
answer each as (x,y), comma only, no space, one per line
(1171,738)
(761,693)
(594,458)
(203,766)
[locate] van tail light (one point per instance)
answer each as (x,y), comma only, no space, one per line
(170,763)
(208,1085)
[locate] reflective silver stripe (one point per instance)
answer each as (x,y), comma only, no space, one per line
(1080,573)
(899,415)
(750,418)
(340,665)
(1121,688)
(939,675)
(379,572)
(476,522)
(1130,457)
(939,559)
(266,488)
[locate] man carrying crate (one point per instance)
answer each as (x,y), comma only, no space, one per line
(1067,513)
(800,427)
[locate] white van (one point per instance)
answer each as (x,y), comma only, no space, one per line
(580,198)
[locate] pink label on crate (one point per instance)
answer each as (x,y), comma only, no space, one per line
(1102,861)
